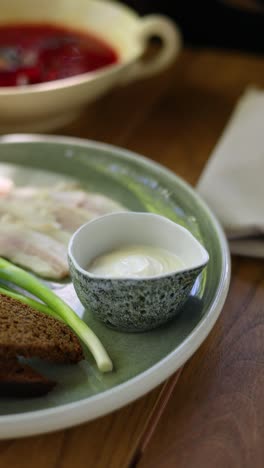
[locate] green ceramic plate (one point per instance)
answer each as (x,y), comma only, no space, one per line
(143,360)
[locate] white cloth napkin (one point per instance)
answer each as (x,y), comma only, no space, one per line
(233,180)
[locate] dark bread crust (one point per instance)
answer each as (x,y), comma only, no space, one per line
(30,333)
(20,380)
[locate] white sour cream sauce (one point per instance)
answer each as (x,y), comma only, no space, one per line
(138,261)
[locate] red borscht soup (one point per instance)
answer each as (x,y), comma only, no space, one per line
(39,53)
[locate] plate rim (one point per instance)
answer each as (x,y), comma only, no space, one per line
(81,411)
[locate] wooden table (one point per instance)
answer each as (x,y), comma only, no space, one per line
(214,417)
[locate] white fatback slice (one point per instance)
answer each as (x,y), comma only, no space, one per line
(33,250)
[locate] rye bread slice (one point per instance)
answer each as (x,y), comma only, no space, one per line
(30,333)
(21,381)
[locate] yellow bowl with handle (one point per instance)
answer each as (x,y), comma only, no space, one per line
(45,106)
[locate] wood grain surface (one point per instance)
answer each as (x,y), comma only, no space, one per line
(215,416)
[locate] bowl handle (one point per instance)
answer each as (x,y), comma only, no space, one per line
(166,29)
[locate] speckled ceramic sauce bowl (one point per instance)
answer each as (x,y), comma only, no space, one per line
(134,304)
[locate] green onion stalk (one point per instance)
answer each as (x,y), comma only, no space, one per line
(26,281)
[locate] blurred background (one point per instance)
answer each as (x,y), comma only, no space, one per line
(234,24)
